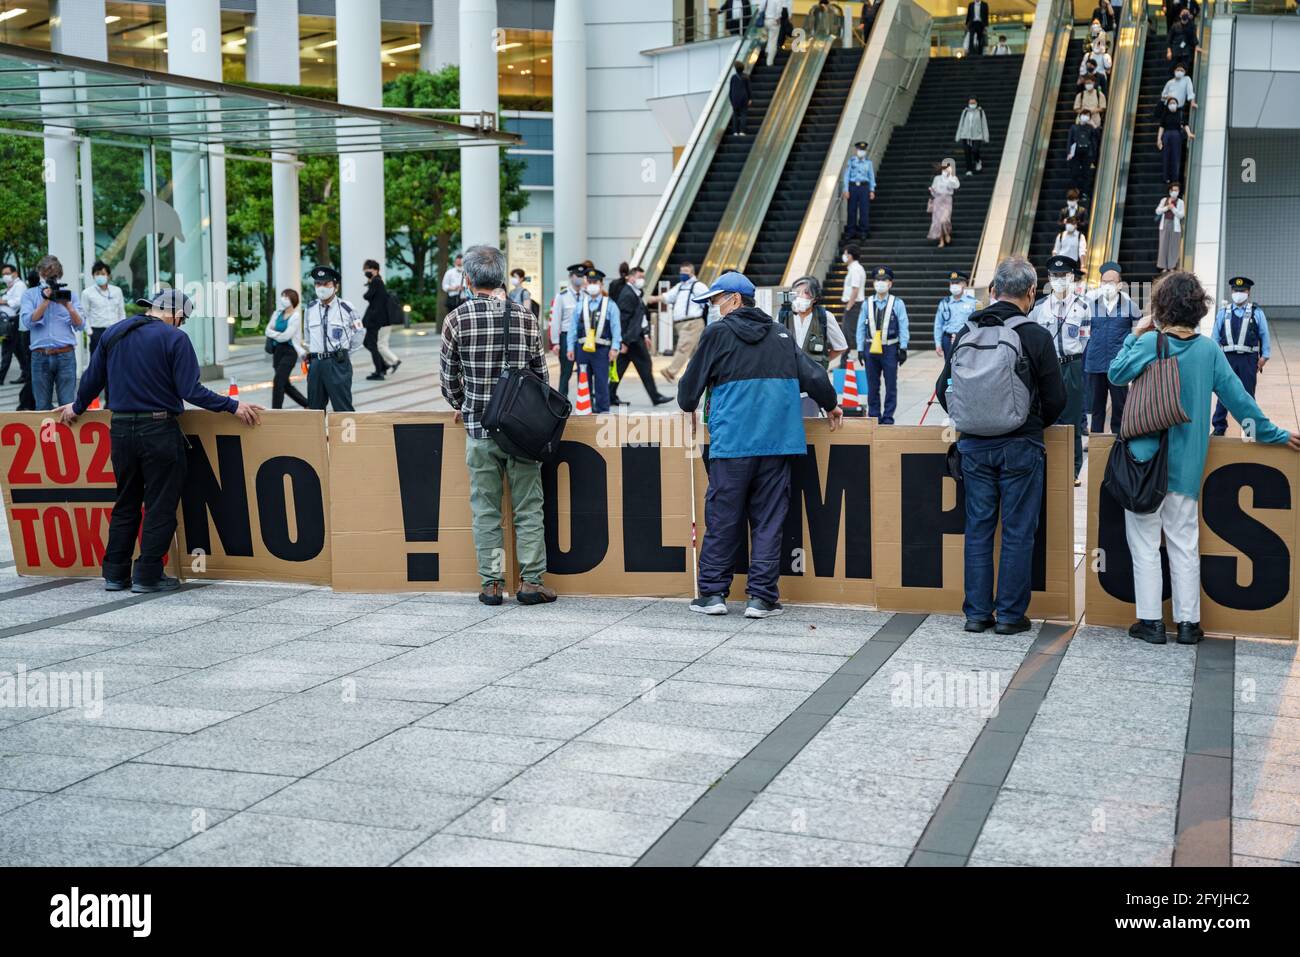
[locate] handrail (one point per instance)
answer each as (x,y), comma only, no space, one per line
(1009,225)
(817,242)
(1107,218)
(678,197)
(752,193)
(1201,70)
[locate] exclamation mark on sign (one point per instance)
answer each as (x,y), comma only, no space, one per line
(419,481)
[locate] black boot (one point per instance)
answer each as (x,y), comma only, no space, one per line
(979,625)
(1189,632)
(1152,632)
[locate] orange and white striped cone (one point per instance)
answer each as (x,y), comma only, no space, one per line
(233,391)
(849,400)
(94,404)
(584,394)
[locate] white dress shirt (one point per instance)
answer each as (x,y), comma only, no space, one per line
(103,307)
(856,279)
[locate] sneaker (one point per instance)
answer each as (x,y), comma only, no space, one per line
(394,367)
(1152,632)
(533,594)
(112,585)
(979,167)
(1012,627)
(762,608)
(491,594)
(1189,632)
(709,605)
(165,583)
(979,625)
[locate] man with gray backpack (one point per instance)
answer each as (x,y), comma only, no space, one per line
(1000,386)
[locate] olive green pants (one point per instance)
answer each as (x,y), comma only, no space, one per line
(489,470)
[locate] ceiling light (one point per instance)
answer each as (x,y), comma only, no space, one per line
(327,44)
(15,12)
(406,49)
(111,19)
(508,46)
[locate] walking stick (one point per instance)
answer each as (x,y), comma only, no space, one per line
(933,395)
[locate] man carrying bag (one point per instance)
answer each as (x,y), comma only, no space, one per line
(494,374)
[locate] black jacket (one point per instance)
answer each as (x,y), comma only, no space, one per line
(1044,368)
(631,310)
(739,91)
(376,296)
(984,14)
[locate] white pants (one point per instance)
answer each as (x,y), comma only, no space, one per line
(773,38)
(385,353)
(1179,517)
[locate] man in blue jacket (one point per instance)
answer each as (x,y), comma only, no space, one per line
(755,373)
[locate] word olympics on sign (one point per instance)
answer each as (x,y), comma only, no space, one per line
(380,502)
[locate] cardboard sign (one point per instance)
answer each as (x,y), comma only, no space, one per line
(59,490)
(826,547)
(254,506)
(1250,526)
(919,523)
(400,504)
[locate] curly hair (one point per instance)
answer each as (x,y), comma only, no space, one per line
(1179,299)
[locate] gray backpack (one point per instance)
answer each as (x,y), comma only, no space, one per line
(989,390)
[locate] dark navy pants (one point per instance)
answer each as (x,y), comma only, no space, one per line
(859,223)
(745,494)
(1246,365)
(885,364)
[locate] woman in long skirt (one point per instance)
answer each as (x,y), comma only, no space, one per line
(1169,214)
(944,184)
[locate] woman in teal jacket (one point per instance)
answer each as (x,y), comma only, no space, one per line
(1178,302)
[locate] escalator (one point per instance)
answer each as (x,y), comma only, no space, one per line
(728,160)
(1056,172)
(1139,237)
(776,237)
(899,221)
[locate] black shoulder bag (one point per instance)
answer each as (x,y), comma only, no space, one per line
(525,416)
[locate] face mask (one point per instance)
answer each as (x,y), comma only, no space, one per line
(1072,204)
(515,280)
(593,289)
(972,106)
(801,304)
(575,282)
(1109,290)
(1083,120)
(370,274)
(101,281)
(1239,297)
(1173,194)
(881,287)
(1179,74)
(284,302)
(714,314)
(1087,86)
(862,154)
(1069,229)
(684,277)
(324,292)
(956,289)
(639,283)
(1060,284)
(844,258)
(1172,107)
(8,280)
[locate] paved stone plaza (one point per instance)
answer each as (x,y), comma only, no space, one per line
(255,724)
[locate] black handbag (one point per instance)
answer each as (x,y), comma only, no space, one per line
(524,415)
(1138,487)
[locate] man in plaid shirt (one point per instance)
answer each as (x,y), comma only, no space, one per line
(472,353)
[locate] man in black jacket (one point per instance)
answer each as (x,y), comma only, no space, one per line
(1005,472)
(628,292)
(740,94)
(376,317)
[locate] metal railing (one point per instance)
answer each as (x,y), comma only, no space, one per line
(1116,152)
(1201,83)
(947,34)
(752,194)
(679,195)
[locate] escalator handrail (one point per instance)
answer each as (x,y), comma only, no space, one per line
(1111,185)
(675,202)
(753,191)
(1201,70)
(1017,230)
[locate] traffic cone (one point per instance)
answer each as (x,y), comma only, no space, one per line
(94,404)
(233,391)
(584,394)
(849,400)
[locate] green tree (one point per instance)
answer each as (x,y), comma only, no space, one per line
(318,208)
(22,201)
(250,222)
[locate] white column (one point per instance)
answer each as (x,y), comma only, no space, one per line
(569,83)
(361,175)
(194,50)
(446,34)
(272,57)
(480,172)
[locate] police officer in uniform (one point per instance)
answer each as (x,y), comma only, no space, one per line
(147,366)
(562,309)
(814,329)
(859,190)
(1114,315)
(1241,330)
(595,333)
(882,344)
(1066,317)
(953,313)
(331,331)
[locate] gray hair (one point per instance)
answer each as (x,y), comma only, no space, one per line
(47,263)
(485,267)
(1015,278)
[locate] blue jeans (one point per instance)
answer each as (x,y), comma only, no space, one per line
(51,373)
(1006,478)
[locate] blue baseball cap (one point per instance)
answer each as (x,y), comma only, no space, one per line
(728,282)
